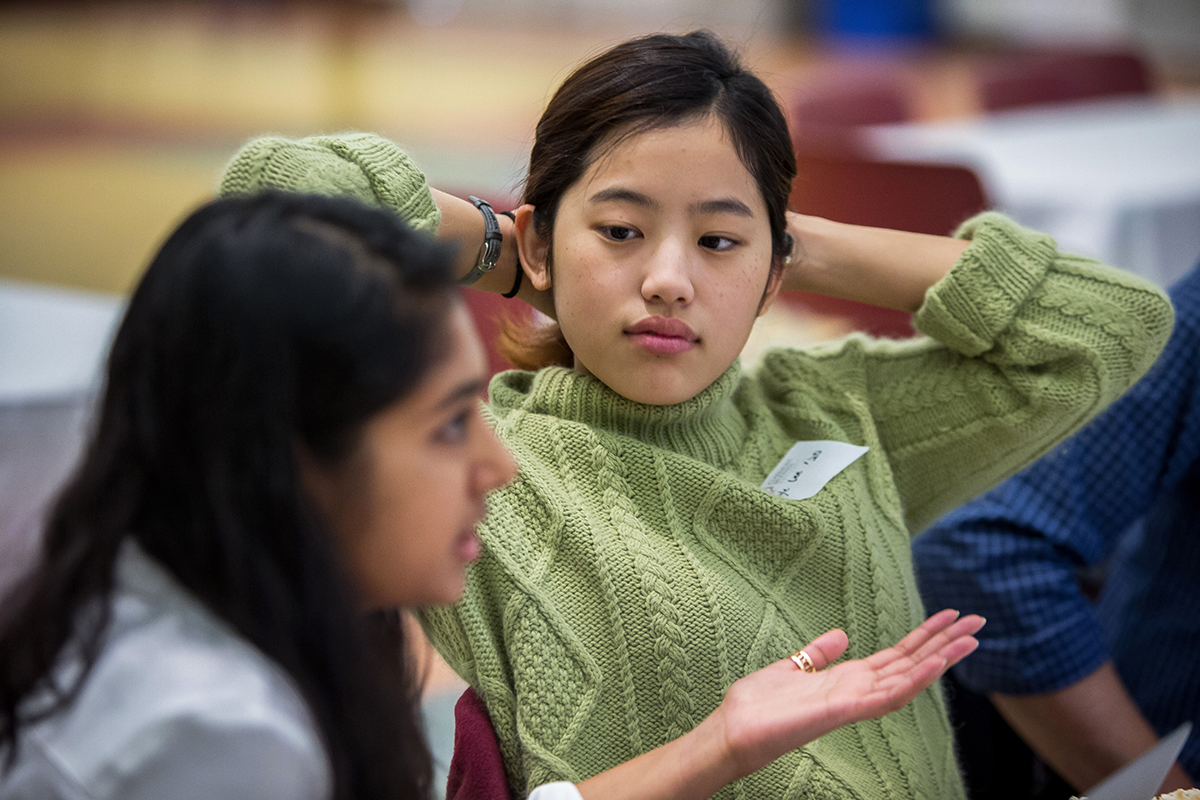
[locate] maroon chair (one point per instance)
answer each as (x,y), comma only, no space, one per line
(826,114)
(1046,77)
(488,309)
(924,198)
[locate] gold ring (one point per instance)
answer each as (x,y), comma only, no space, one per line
(803,660)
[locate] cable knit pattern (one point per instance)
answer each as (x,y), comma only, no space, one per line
(634,569)
(359,165)
(712,578)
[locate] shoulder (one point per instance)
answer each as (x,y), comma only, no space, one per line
(174,700)
(832,370)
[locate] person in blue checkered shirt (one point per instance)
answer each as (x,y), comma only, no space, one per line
(1088,685)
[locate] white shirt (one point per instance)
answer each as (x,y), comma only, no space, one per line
(178,706)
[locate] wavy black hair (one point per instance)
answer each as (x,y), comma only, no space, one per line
(263,324)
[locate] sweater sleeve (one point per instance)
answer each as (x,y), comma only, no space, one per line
(1026,344)
(358,165)
(1012,554)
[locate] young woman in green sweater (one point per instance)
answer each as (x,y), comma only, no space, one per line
(670,530)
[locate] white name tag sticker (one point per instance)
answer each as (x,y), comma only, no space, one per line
(808,466)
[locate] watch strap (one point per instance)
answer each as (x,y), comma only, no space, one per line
(492,241)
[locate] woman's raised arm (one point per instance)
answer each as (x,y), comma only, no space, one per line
(462,223)
(879,266)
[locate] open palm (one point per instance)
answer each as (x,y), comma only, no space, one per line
(780,707)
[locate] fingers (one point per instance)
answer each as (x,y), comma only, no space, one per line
(942,640)
(826,648)
(823,651)
(957,650)
(962,628)
(929,640)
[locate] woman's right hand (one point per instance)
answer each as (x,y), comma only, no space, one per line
(781,707)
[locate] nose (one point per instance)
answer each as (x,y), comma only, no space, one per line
(495,466)
(668,280)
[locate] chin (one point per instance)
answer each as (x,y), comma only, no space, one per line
(447,592)
(446,595)
(655,391)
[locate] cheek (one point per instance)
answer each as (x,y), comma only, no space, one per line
(403,521)
(584,284)
(738,297)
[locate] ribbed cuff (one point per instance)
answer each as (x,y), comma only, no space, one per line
(980,296)
(364,166)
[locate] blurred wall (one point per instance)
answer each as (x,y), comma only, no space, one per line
(116,118)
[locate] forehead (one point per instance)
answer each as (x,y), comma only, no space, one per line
(696,156)
(459,368)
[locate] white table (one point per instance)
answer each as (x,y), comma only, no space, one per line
(53,343)
(1118,179)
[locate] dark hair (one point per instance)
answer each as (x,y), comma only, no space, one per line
(262,324)
(640,85)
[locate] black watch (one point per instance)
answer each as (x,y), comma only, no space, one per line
(492,241)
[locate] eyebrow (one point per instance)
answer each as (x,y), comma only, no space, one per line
(720,205)
(619,194)
(466,389)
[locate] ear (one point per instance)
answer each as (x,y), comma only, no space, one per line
(774,285)
(534,250)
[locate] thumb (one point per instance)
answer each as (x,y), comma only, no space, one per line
(827,648)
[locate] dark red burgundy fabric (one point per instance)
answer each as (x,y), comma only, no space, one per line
(476,769)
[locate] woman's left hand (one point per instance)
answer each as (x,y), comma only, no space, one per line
(782,707)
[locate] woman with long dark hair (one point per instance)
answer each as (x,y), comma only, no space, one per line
(289,448)
(193,630)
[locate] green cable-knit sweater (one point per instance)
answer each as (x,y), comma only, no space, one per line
(634,569)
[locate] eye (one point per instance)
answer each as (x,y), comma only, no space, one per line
(455,430)
(618,233)
(717,243)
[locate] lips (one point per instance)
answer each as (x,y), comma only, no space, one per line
(662,335)
(467,546)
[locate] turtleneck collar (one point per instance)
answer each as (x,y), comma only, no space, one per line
(708,426)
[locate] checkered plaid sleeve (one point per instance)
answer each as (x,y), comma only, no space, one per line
(1013,554)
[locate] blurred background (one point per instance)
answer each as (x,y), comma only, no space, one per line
(1081,117)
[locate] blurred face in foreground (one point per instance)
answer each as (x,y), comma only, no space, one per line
(404,505)
(661,262)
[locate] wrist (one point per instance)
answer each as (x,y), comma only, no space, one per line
(465,225)
(878,266)
(713,752)
(814,253)
(489,252)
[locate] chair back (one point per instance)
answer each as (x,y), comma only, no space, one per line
(825,115)
(1042,78)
